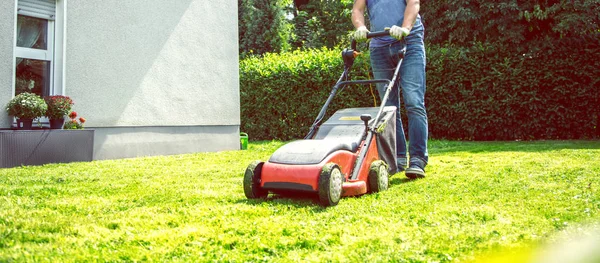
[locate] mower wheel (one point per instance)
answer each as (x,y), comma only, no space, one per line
(252,187)
(378,176)
(330,185)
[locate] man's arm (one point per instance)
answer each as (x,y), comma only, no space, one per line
(358,13)
(410,14)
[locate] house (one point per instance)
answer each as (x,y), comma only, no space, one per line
(152,77)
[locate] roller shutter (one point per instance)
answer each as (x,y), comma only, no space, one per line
(45,9)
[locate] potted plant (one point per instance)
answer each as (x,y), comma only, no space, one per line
(26,107)
(74,123)
(58,107)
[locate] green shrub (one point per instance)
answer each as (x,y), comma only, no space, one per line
(480,93)
(282,94)
(491,93)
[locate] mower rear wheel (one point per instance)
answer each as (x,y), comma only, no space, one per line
(378,176)
(252,187)
(330,185)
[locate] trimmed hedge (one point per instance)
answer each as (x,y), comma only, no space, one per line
(488,93)
(480,93)
(282,94)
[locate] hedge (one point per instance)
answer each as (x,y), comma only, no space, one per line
(478,93)
(282,94)
(488,93)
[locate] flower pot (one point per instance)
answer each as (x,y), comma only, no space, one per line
(24,124)
(57,123)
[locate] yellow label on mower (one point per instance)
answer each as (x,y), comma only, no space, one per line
(350,118)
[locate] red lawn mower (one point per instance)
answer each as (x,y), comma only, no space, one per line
(350,154)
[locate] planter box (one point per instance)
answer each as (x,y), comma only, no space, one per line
(36,147)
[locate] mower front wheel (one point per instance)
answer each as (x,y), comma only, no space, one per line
(378,176)
(252,178)
(330,185)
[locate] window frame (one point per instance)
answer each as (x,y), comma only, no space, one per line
(40,54)
(54,52)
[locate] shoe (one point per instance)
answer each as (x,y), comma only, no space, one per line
(414,172)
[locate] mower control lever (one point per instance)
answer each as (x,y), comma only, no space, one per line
(366,118)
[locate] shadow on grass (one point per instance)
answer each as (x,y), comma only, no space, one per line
(399,178)
(311,200)
(295,200)
(442,147)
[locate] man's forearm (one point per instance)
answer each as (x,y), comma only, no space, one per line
(358,20)
(410,14)
(358,13)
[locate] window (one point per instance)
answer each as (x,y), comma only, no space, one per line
(35,53)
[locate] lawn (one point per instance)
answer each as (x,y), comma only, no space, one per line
(479,199)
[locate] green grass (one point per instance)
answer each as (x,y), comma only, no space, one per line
(478,198)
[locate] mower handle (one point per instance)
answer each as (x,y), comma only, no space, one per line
(385,32)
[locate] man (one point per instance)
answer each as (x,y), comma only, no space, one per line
(406,29)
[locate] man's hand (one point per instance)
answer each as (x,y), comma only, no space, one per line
(399,32)
(361,33)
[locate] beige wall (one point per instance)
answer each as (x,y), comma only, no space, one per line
(153,62)
(7,32)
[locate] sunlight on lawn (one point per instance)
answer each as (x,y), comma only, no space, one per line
(481,201)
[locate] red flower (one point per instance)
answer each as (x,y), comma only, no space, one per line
(73,115)
(82,120)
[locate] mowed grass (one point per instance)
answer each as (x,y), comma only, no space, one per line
(478,198)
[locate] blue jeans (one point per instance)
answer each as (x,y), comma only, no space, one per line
(412,83)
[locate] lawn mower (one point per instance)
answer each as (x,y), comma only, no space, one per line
(350,154)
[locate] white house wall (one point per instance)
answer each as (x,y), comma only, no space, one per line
(153,62)
(7,32)
(154,76)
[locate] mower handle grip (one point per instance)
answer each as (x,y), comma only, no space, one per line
(385,32)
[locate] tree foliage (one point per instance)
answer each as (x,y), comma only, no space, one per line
(278,25)
(514,22)
(262,27)
(321,23)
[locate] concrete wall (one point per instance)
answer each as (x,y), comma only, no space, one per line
(153,62)
(154,77)
(7,37)
(121,142)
